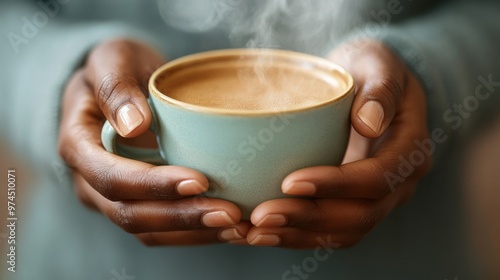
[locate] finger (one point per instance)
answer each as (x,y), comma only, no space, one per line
(178,238)
(340,216)
(399,159)
(324,243)
(372,178)
(381,80)
(115,177)
(136,216)
(195,237)
(116,71)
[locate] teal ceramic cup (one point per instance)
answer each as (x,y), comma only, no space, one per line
(245,154)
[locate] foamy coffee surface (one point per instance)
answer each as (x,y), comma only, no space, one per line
(250,87)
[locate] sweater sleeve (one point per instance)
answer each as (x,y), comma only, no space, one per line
(38,54)
(454,52)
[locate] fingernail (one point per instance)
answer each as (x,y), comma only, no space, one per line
(265,240)
(272,220)
(129,118)
(300,188)
(217,219)
(372,114)
(190,187)
(230,234)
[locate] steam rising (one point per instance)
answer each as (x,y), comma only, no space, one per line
(311,26)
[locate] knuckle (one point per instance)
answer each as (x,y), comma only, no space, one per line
(392,88)
(150,180)
(124,216)
(100,181)
(156,191)
(112,90)
(110,87)
(182,220)
(388,90)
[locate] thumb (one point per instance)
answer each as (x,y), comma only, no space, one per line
(118,71)
(376,104)
(380,77)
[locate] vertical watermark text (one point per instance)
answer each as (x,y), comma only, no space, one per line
(11,222)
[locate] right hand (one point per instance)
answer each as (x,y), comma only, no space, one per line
(155,203)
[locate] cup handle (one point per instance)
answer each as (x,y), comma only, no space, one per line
(109,137)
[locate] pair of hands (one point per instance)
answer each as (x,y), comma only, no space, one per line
(156,203)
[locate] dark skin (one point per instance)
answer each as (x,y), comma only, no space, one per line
(156,203)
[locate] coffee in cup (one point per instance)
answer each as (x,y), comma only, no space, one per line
(250,86)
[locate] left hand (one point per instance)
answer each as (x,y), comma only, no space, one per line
(388,117)
(155,203)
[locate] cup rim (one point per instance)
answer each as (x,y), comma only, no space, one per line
(321,62)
